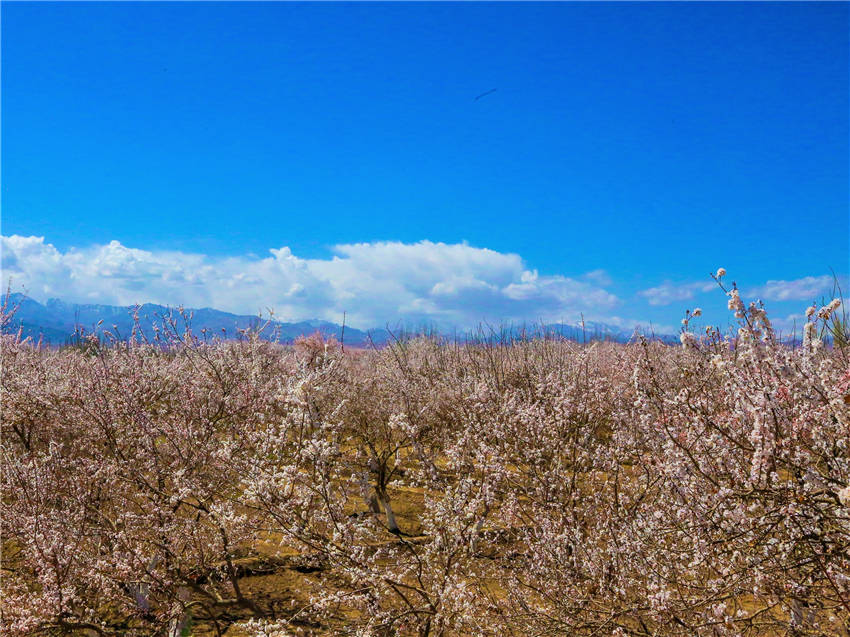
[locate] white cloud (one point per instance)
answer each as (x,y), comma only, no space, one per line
(792,323)
(600,277)
(669,292)
(374,283)
(808,288)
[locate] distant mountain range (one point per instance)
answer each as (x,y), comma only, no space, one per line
(56,322)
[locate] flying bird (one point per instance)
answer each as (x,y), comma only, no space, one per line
(492,90)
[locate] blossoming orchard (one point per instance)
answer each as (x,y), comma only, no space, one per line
(197,486)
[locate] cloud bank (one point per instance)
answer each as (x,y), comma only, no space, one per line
(374,283)
(668,292)
(809,288)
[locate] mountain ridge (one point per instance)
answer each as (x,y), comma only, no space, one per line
(56,321)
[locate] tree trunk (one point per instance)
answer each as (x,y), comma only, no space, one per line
(372,503)
(392,525)
(179,625)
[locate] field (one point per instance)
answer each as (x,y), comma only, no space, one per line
(532,487)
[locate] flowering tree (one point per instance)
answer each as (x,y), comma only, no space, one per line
(429,488)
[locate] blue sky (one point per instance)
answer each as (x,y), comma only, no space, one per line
(159,151)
